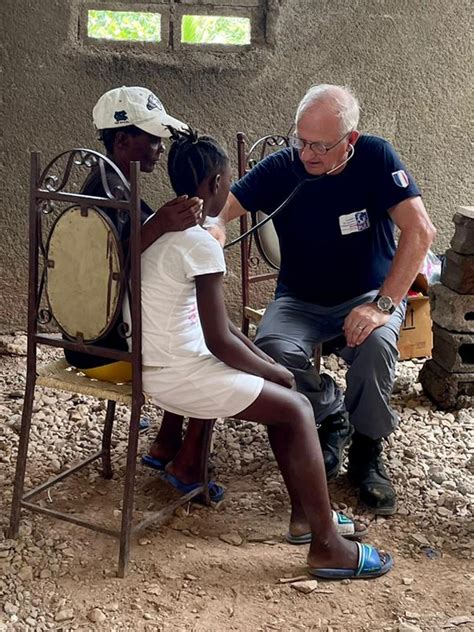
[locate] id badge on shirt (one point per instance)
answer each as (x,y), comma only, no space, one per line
(354,222)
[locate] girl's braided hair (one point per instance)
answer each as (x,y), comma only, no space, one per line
(192,158)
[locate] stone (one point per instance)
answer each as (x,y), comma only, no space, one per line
(437,474)
(408,627)
(419,538)
(292,580)
(190,577)
(446,389)
(64,615)
(231,538)
(407,581)
(306,587)
(25,573)
(10,608)
(451,310)
(458,272)
(463,238)
(453,351)
(96,616)
(460,620)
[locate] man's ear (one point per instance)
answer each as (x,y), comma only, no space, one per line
(121,140)
(353,136)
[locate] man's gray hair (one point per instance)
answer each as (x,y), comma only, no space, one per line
(343,100)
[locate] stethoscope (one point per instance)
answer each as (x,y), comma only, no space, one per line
(289,198)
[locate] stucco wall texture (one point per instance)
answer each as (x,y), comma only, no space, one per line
(408,60)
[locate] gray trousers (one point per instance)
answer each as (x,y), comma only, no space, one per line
(291,328)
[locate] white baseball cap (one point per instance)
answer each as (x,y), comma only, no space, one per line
(134,106)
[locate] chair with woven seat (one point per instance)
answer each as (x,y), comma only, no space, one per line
(79,275)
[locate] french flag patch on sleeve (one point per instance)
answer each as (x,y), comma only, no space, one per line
(400,178)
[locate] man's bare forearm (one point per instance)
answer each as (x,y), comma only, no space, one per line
(232,209)
(416,236)
(406,264)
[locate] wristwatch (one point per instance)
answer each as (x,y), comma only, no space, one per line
(385,304)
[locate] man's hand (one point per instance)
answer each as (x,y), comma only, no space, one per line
(217,230)
(179,214)
(361,322)
(176,215)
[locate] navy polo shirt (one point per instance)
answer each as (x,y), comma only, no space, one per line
(336,236)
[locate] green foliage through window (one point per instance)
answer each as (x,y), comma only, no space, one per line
(124,25)
(213,29)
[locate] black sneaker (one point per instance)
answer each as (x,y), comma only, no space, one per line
(367,470)
(334,434)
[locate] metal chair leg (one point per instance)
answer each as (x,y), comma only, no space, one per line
(206,446)
(317,357)
(107,439)
(22,454)
(129,490)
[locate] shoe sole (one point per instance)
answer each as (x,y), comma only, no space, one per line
(381,511)
(378,511)
(335,470)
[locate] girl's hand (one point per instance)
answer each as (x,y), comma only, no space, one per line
(279,375)
(261,354)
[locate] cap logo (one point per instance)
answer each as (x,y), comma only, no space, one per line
(120,116)
(154,103)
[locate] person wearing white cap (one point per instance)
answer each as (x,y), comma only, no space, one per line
(135,106)
(132,122)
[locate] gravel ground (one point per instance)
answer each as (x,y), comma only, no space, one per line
(220,569)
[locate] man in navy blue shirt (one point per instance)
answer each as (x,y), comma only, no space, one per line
(342,274)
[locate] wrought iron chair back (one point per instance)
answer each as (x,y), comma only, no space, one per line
(265,238)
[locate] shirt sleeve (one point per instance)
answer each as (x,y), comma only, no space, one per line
(260,188)
(94,186)
(205,257)
(394,183)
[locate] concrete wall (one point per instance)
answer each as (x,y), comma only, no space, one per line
(407,59)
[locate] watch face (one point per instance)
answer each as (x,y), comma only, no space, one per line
(385,303)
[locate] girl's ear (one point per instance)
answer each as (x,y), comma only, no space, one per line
(214,183)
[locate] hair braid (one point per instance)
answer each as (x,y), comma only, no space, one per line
(193,158)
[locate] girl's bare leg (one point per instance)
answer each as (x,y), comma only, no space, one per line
(294,441)
(169,437)
(186,464)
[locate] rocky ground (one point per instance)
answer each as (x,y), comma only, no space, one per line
(227,567)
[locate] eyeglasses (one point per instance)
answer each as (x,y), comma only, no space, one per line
(316,147)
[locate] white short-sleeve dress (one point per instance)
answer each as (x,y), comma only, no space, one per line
(179,372)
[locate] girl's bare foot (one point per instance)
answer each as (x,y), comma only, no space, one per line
(335,552)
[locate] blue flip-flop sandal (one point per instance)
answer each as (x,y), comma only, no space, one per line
(155,464)
(372,563)
(216,492)
(344,525)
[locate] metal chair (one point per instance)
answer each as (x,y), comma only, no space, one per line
(79,275)
(260,252)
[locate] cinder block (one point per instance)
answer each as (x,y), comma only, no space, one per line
(451,310)
(458,272)
(454,352)
(463,238)
(446,389)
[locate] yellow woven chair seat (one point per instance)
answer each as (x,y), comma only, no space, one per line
(61,375)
